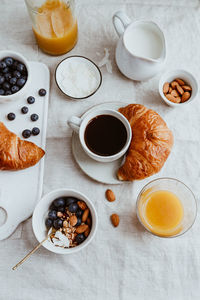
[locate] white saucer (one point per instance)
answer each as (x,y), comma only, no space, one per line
(101,172)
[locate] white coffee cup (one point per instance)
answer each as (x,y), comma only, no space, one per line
(79,125)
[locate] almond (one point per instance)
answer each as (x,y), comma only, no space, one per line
(187,88)
(171,98)
(174,84)
(82,205)
(174,93)
(89,221)
(73,220)
(179,89)
(59,214)
(110,195)
(170,90)
(86,233)
(114,219)
(180,81)
(166,87)
(185,97)
(81,228)
(85,215)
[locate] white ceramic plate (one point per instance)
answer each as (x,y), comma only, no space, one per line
(101,172)
(21,190)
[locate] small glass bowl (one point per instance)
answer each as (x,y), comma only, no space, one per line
(184,194)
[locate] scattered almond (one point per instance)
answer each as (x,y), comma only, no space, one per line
(110,196)
(65,224)
(180,81)
(185,97)
(81,228)
(73,220)
(59,214)
(85,215)
(114,219)
(187,88)
(82,205)
(179,89)
(166,87)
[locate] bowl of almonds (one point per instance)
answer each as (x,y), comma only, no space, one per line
(67,219)
(178,87)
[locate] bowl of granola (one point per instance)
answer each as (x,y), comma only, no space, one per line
(68,218)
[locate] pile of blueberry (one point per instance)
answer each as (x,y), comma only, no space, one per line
(62,209)
(13,76)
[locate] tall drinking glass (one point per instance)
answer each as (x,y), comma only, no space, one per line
(54,24)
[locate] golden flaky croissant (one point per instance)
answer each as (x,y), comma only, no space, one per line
(150,146)
(17,154)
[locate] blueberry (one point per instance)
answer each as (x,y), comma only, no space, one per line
(2,92)
(79,221)
(2,65)
(14,89)
(26,133)
(14,65)
(52,214)
(80,238)
(8,93)
(13,80)
(11,116)
(6,86)
(73,207)
(7,76)
(9,61)
(42,92)
(49,223)
(30,99)
(21,82)
(58,223)
(35,131)
(70,200)
(2,79)
(24,77)
(79,212)
(34,117)
(61,209)
(5,70)
(21,67)
(16,74)
(24,109)
(59,202)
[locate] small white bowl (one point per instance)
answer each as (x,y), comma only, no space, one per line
(40,214)
(18,95)
(77,59)
(182,74)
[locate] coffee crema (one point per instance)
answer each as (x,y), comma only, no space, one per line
(105,135)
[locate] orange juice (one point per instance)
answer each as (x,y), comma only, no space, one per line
(56,29)
(161,212)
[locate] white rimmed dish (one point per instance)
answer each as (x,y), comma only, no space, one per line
(79,125)
(60,69)
(18,95)
(40,214)
(169,76)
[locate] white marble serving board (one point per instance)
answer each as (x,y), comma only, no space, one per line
(21,190)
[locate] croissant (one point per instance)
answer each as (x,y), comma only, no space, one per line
(150,145)
(17,154)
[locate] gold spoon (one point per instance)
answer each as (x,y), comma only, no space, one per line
(33,251)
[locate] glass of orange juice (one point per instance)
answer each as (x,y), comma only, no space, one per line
(166,207)
(54,24)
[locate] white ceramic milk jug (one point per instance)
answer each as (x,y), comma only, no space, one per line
(141,50)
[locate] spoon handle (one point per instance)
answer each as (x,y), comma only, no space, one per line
(30,253)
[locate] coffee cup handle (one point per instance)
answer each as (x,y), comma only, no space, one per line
(74,123)
(120,22)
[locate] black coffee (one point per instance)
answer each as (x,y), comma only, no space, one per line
(105,135)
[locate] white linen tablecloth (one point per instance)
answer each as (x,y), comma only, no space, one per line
(126,262)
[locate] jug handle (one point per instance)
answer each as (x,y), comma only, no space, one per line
(120,22)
